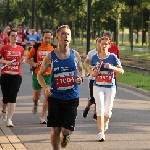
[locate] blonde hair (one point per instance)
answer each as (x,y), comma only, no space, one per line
(62,26)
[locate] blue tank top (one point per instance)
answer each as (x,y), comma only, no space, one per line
(63,74)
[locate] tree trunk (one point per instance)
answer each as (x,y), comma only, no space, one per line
(149,31)
(137,33)
(73,32)
(82,32)
(131,36)
(114,31)
(122,27)
(142,26)
(117,31)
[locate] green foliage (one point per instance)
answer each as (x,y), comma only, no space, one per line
(52,13)
(135,80)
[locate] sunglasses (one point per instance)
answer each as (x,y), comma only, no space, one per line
(13,35)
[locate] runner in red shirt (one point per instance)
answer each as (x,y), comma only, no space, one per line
(4,36)
(4,40)
(21,37)
(11,75)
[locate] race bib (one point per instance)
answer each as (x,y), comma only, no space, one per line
(41,55)
(104,78)
(14,68)
(65,80)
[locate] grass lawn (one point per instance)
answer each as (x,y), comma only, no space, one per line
(143,54)
(135,80)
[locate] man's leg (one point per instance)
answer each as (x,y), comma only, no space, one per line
(69,115)
(36,93)
(36,97)
(95,116)
(47,79)
(91,100)
(44,109)
(55,138)
(65,138)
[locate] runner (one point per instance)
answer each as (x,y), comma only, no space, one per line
(32,38)
(21,36)
(91,100)
(4,36)
(67,74)
(112,49)
(11,75)
(39,34)
(38,52)
(102,66)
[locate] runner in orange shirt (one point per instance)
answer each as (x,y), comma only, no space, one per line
(38,52)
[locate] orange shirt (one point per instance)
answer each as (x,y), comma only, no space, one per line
(42,51)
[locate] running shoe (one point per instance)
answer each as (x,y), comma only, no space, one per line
(101,137)
(85,112)
(4,116)
(42,121)
(9,123)
(34,109)
(65,139)
(94,117)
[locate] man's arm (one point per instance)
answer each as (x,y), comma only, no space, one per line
(86,63)
(22,60)
(30,55)
(46,63)
(81,71)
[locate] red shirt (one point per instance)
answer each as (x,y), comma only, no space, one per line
(114,49)
(9,53)
(4,38)
(21,37)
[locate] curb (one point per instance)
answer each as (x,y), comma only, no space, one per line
(138,90)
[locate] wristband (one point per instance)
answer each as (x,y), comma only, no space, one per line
(80,77)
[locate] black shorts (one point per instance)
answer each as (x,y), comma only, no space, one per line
(62,113)
(92,99)
(10,85)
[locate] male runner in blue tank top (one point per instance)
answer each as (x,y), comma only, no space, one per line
(66,74)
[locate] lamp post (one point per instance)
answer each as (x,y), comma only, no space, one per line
(33,10)
(149,32)
(88,25)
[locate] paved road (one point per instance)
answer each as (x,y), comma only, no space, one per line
(129,126)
